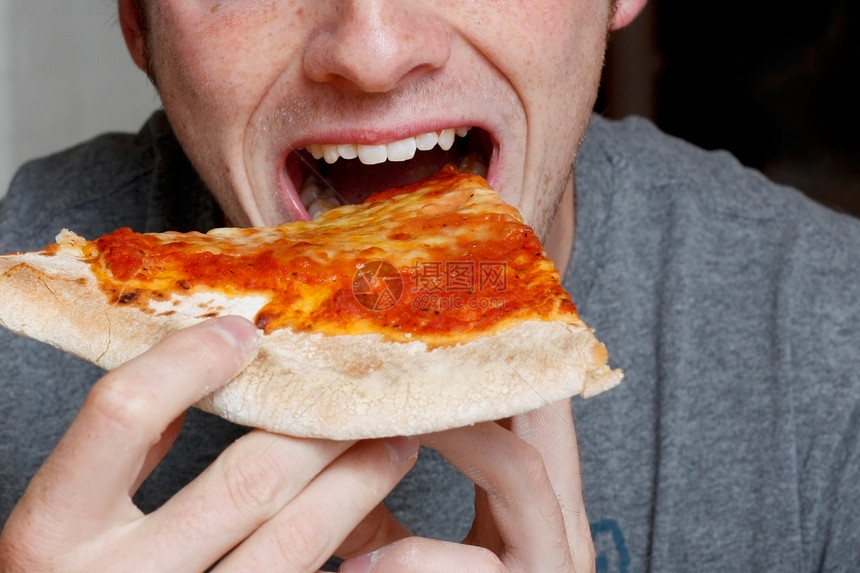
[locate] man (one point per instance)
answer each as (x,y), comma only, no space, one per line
(727,447)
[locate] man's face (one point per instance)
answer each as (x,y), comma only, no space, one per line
(253,88)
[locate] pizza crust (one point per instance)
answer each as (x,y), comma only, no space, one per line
(316,385)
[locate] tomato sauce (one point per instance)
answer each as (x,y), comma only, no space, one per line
(458,289)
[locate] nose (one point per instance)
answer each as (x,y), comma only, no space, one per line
(376,46)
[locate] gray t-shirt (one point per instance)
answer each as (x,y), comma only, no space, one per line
(732,304)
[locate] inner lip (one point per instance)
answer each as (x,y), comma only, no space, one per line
(353,181)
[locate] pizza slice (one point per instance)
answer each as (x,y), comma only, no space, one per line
(426,307)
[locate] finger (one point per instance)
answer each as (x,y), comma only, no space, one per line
(306,532)
(157,452)
(519,494)
(420,555)
(550,430)
(247,485)
(380,527)
(484,532)
(101,457)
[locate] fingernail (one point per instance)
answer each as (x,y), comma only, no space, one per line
(361,564)
(240,333)
(402,448)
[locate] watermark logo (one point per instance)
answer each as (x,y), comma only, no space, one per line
(459,285)
(433,285)
(377,285)
(460,276)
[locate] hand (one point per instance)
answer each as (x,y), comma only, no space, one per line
(529,510)
(268,502)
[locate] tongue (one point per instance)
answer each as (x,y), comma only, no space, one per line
(355,181)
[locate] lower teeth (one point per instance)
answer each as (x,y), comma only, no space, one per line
(309,194)
(317,197)
(323,205)
(472,163)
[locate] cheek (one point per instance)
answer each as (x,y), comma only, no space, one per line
(545,39)
(186,80)
(568,67)
(557,81)
(213,61)
(212,69)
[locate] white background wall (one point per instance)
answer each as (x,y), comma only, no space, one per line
(65,76)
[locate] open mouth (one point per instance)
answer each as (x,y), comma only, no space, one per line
(328,175)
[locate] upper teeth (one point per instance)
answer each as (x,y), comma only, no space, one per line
(402,150)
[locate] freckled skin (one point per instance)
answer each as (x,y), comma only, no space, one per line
(245,82)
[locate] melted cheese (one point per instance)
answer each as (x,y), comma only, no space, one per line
(443,260)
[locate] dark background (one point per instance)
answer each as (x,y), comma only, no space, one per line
(773,82)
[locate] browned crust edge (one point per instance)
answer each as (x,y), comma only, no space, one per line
(337,387)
